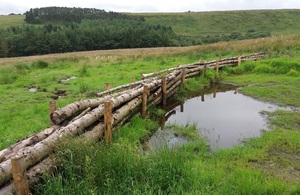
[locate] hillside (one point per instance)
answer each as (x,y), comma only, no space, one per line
(68,31)
(206,23)
(11,20)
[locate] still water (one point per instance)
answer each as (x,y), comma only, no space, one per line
(223,116)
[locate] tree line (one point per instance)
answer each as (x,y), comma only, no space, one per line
(60,29)
(65,14)
(84,36)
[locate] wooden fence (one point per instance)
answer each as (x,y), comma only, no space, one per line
(93,119)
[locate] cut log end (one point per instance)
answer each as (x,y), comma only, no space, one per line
(55,118)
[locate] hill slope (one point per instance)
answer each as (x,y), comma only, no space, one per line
(205,23)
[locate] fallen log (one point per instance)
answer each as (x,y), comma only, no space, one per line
(7,153)
(39,151)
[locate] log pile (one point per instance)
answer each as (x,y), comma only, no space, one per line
(85,119)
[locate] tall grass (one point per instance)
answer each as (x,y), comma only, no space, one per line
(124,168)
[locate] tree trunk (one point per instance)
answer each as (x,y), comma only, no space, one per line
(31,140)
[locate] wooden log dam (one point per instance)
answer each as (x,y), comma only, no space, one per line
(92,120)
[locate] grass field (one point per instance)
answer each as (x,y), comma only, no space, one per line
(207,23)
(269,164)
(11,20)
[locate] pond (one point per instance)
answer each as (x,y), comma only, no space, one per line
(222,115)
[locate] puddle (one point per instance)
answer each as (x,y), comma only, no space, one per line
(165,138)
(67,79)
(222,115)
(34,89)
(58,94)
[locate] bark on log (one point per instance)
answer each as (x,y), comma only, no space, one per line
(72,109)
(124,86)
(35,153)
(7,153)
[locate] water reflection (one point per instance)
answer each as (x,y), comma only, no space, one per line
(222,115)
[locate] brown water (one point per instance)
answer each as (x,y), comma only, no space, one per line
(223,116)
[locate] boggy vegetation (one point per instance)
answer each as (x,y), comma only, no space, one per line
(60,29)
(265,165)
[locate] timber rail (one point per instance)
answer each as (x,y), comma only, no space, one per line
(93,119)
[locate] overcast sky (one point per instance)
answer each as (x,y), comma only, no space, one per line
(21,6)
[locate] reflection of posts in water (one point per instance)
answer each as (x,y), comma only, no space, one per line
(164,91)
(236,91)
(181,107)
(165,117)
(162,121)
(202,96)
(215,92)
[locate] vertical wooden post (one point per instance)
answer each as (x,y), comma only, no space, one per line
(19,176)
(132,80)
(144,101)
(107,86)
(204,70)
(217,66)
(239,60)
(183,74)
(52,108)
(164,91)
(108,122)
(256,57)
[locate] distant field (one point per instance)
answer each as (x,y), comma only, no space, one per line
(205,23)
(14,20)
(208,23)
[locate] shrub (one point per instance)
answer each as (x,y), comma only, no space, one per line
(248,66)
(293,72)
(40,64)
(264,68)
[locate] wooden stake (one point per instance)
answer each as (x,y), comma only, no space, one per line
(52,108)
(217,66)
(132,80)
(183,74)
(239,60)
(107,86)
(204,70)
(164,91)
(108,122)
(144,101)
(19,175)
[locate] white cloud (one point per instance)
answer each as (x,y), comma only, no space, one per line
(20,6)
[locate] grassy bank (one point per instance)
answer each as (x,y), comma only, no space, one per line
(24,112)
(208,23)
(266,165)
